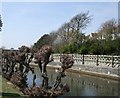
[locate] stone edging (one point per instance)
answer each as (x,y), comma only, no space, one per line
(102,75)
(76,70)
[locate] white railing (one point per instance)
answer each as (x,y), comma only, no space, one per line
(97,60)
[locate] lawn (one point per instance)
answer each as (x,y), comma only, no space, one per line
(9,90)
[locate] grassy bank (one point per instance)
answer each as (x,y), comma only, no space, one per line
(9,90)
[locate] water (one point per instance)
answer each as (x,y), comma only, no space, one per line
(80,85)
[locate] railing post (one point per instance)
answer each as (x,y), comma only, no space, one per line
(112,61)
(97,61)
(83,59)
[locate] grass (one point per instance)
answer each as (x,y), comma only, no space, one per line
(9,90)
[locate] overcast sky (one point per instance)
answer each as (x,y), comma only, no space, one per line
(26,22)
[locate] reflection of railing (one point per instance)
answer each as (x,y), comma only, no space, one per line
(99,60)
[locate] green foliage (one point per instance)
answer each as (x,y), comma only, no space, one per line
(42,41)
(105,47)
(45,39)
(95,47)
(83,50)
(69,48)
(117,46)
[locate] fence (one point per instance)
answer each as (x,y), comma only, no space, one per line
(94,60)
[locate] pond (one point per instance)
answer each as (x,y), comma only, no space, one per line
(80,84)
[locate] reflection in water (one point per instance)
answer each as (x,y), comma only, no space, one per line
(80,85)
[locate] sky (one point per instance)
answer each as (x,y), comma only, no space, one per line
(25,22)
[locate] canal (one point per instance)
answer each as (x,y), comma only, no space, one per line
(80,84)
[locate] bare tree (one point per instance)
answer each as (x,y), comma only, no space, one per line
(80,21)
(63,32)
(70,32)
(1,24)
(107,29)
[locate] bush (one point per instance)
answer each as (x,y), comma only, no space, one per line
(83,50)
(95,49)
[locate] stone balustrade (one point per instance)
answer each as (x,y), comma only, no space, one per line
(94,60)
(97,64)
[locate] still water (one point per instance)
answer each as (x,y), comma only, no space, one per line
(80,85)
